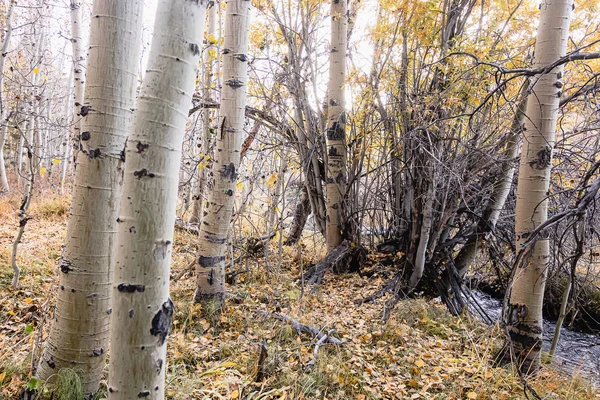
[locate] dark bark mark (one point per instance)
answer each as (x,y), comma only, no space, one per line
(145,393)
(234,83)
(544,157)
(226,51)
(207,262)
(131,313)
(132,230)
(332,151)
(242,57)
(130,288)
(84,111)
(337,131)
(143,172)
(65,266)
(215,239)
(140,147)
(162,321)
(85,136)
(97,352)
(228,172)
(51,363)
(95,153)
(195,49)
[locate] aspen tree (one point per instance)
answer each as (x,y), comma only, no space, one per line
(210,56)
(336,124)
(142,309)
(4,187)
(212,240)
(524,313)
(79,334)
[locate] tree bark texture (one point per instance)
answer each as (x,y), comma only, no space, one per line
(79,335)
(142,309)
(212,238)
(524,313)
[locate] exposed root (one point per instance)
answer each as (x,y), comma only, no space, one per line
(300,327)
(344,258)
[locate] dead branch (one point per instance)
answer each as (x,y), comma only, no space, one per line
(300,327)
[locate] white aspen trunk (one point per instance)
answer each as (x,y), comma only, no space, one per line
(142,309)
(66,142)
(336,125)
(79,335)
(4,187)
(210,263)
(524,311)
(208,66)
(78,53)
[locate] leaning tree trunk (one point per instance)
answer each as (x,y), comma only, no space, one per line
(142,309)
(209,55)
(4,187)
(523,316)
(79,334)
(466,256)
(336,125)
(212,238)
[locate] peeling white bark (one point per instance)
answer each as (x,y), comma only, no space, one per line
(4,187)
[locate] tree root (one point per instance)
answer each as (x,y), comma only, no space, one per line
(346,257)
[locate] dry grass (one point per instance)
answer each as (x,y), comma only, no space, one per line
(421,353)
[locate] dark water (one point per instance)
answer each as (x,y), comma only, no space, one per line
(576,353)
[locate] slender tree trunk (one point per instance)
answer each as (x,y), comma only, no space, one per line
(210,263)
(78,52)
(66,141)
(4,187)
(336,125)
(209,54)
(467,254)
(79,334)
(524,311)
(142,309)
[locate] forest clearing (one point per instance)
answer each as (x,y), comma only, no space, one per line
(299,199)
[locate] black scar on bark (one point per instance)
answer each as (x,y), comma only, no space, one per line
(162,322)
(543,159)
(242,57)
(85,135)
(195,49)
(130,288)
(145,393)
(131,313)
(97,352)
(234,83)
(143,172)
(141,147)
(84,110)
(65,266)
(210,261)
(51,363)
(228,172)
(96,153)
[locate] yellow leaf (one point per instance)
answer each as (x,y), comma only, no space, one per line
(235,394)
(42,171)
(212,54)
(28,300)
(472,395)
(239,186)
(212,39)
(2,376)
(36,70)
(56,161)
(272,180)
(420,363)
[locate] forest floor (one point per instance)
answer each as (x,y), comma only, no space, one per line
(420,353)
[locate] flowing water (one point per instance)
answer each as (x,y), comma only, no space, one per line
(577,353)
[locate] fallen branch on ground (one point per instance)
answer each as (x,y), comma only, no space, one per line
(300,327)
(317,347)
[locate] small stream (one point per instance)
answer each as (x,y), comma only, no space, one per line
(576,353)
